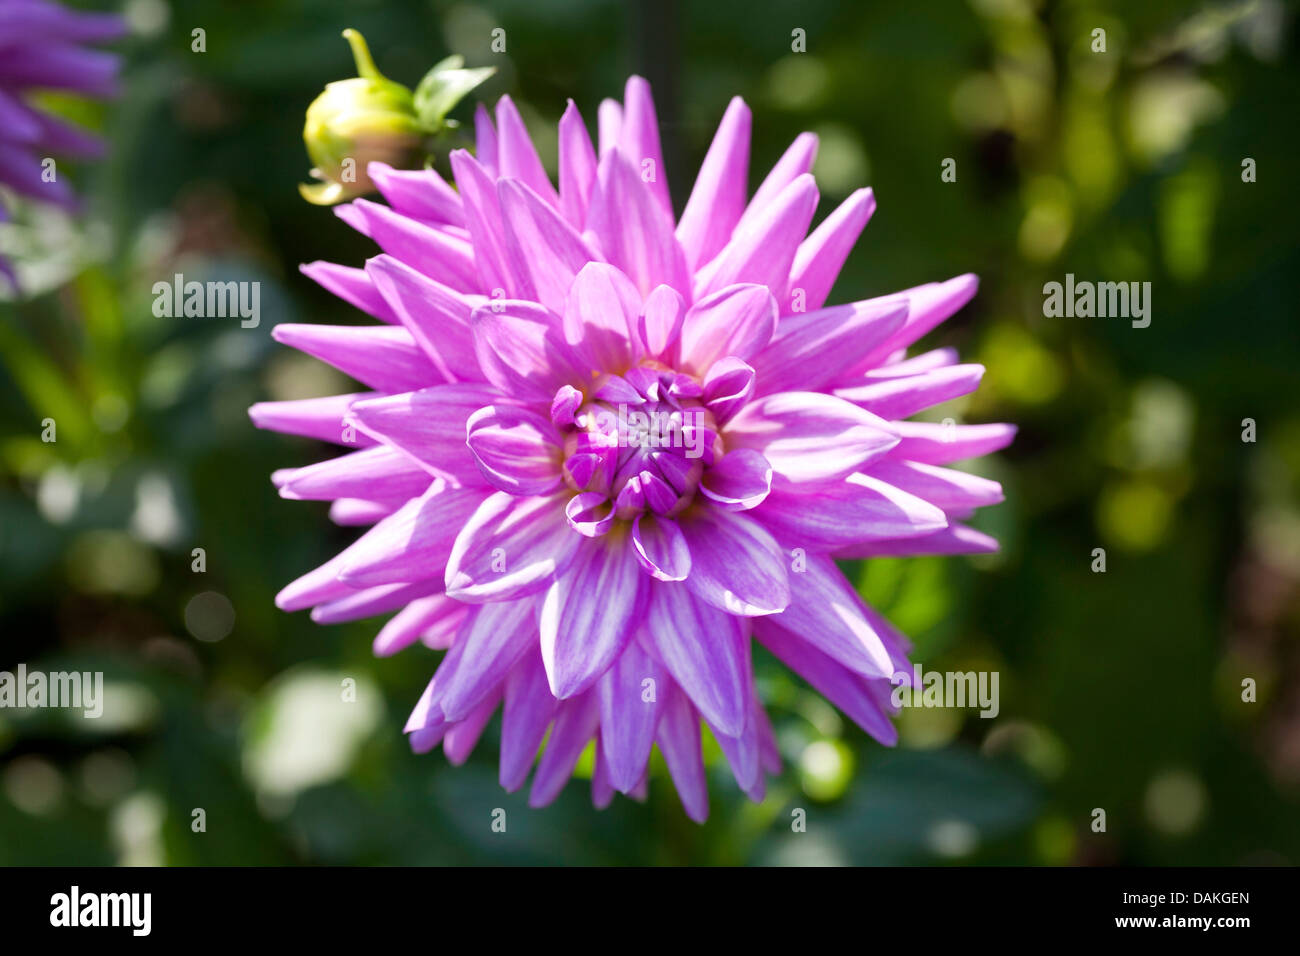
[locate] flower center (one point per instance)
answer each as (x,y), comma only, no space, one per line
(641,441)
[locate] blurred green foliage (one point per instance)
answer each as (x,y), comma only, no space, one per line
(1119,690)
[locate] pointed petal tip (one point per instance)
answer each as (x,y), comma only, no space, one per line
(291,598)
(291,333)
(697,812)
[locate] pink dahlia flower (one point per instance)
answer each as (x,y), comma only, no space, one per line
(46,47)
(604,448)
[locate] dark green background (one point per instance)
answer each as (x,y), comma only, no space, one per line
(1120,691)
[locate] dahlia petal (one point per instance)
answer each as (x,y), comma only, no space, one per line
(55,135)
(727,387)
(316,586)
(705,650)
(822,254)
(577,162)
(842,687)
(426,712)
(528,711)
(678,736)
(483,653)
(641,791)
(627,718)
(632,499)
(418,193)
(660,496)
(478,193)
(660,323)
(35,20)
(429,425)
(434,620)
(590,513)
(955,539)
(319,418)
(928,305)
(351,285)
(740,480)
(661,547)
(426,738)
(510,547)
(609,120)
(904,395)
(601,312)
(736,321)
(632,228)
(413,543)
(575,724)
(350,214)
(459,741)
(847,513)
(517,449)
(735,563)
(638,141)
(602,790)
(796,161)
(380,473)
(521,350)
(540,243)
(371,601)
(809,437)
(60,66)
(386,359)
(718,198)
(764,252)
(485,140)
(812,349)
(923,362)
(946,488)
(742,753)
(516,156)
(582,637)
(21,170)
(826,612)
(618,391)
(21,124)
(769,754)
(937,444)
(358,512)
(428,249)
(581,469)
(564,405)
(436,316)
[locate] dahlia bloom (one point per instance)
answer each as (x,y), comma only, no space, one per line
(46,47)
(603,448)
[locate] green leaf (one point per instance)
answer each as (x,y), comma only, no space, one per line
(443,87)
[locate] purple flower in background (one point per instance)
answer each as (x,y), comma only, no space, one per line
(603,448)
(44,46)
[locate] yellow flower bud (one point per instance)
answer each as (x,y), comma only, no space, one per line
(354,122)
